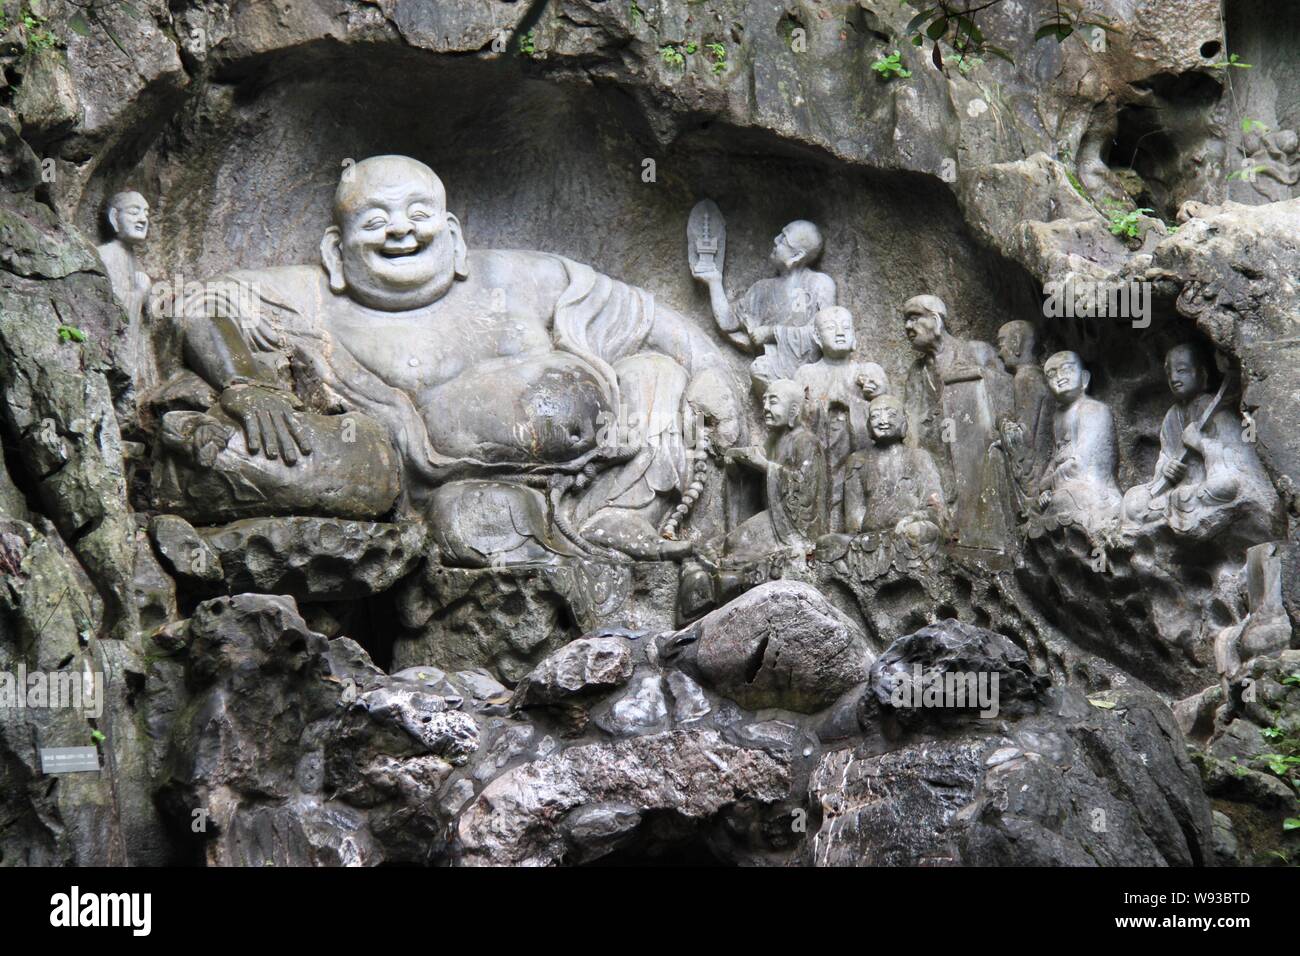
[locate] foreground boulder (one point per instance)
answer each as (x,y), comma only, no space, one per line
(783,644)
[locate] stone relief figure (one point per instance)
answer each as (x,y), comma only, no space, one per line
(894,489)
(1027,433)
(1273,159)
(774,318)
(793,465)
(128,218)
(1078,485)
(1208,480)
(955,395)
(483,368)
(1266,629)
(837,405)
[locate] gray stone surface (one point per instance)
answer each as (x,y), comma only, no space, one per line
(522,362)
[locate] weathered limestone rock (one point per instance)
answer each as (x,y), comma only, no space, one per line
(584,666)
(691,773)
(948,655)
(1080,786)
(780,645)
(315,559)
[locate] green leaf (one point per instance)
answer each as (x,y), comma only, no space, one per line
(1291,823)
(97,736)
(78,25)
(967,26)
(918,40)
(914,24)
(1000,53)
(1103,704)
(937,29)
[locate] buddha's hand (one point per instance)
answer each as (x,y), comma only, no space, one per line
(707,275)
(271,421)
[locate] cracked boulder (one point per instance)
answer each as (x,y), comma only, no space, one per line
(782,644)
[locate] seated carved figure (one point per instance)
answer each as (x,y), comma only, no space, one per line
(1077,485)
(894,489)
(1208,481)
(794,468)
(480,366)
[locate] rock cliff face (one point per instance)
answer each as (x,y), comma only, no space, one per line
(304,687)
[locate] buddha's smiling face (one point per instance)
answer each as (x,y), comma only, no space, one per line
(397,245)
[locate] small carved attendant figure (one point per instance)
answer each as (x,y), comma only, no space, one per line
(794,464)
(1208,481)
(839,410)
(1078,483)
(774,318)
(128,218)
(893,487)
(955,395)
(1031,405)
(872,381)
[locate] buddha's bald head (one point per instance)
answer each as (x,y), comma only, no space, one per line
(393,245)
(361,181)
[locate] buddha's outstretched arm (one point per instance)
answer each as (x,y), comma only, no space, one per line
(218,353)
(249,393)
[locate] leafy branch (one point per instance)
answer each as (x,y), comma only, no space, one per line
(953,22)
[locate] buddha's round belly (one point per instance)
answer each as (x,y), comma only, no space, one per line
(538,408)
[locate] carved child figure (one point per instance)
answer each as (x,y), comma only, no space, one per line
(1078,483)
(838,408)
(774,318)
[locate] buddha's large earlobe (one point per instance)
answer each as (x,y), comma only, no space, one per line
(112,220)
(332,259)
(1087,377)
(460,254)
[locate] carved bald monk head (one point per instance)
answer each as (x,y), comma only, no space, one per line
(833,331)
(1066,377)
(128,217)
(798,244)
(923,322)
(873,381)
(887,419)
(393,246)
(1186,372)
(1016,343)
(782,403)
